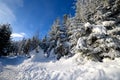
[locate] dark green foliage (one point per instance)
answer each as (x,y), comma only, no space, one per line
(5,33)
(35,42)
(26,47)
(44,44)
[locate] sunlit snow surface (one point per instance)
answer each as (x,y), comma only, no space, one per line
(39,67)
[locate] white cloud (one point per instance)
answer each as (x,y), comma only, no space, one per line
(18,35)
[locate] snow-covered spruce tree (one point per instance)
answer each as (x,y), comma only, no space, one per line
(24,46)
(98,43)
(64,37)
(64,27)
(84,10)
(59,49)
(58,38)
(5,41)
(27,48)
(21,46)
(35,42)
(74,31)
(14,48)
(101,39)
(45,44)
(62,47)
(93,10)
(54,34)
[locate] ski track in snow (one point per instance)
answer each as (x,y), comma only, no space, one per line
(9,73)
(40,68)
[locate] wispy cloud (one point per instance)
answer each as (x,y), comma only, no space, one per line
(18,35)
(7,14)
(13,3)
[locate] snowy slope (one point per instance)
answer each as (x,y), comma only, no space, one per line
(40,68)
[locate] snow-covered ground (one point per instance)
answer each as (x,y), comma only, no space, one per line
(1,67)
(40,68)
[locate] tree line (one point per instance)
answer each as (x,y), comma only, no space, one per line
(78,34)
(22,47)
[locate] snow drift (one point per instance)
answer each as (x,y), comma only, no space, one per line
(72,68)
(75,68)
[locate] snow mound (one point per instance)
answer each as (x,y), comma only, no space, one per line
(99,29)
(42,57)
(70,69)
(75,68)
(87,24)
(108,23)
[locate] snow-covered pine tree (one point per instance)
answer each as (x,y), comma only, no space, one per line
(54,34)
(26,48)
(59,49)
(65,34)
(86,9)
(35,42)
(65,26)
(58,37)
(94,31)
(14,48)
(101,39)
(44,44)
(74,32)
(21,46)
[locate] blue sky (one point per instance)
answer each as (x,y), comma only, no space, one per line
(30,16)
